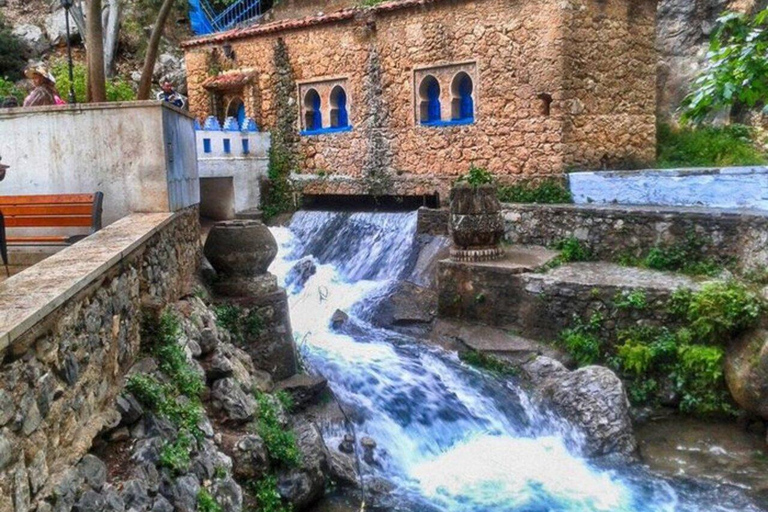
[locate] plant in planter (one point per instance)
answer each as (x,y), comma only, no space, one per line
(476,222)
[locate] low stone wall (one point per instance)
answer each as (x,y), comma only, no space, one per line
(69,330)
(730,187)
(728,236)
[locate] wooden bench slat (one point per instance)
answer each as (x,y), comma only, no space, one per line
(37,240)
(46,210)
(49,221)
(47,199)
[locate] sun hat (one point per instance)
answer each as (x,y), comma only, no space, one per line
(39,69)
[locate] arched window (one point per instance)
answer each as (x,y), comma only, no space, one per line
(313,117)
(429,92)
(462,103)
(339,115)
(236,109)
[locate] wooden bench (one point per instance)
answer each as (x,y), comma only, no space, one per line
(51,211)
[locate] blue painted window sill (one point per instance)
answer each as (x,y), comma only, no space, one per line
(327,130)
(453,122)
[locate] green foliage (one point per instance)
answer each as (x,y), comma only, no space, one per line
(240,323)
(176,455)
(117,88)
(280,443)
(206,502)
(8,88)
(686,256)
(583,341)
(718,310)
(14,53)
(641,391)
(700,379)
(487,362)
(571,249)
(477,176)
(736,69)
(548,191)
(634,299)
(704,146)
(267,495)
(173,360)
(285,399)
(370,3)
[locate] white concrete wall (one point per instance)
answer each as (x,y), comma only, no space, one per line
(246,171)
(732,187)
(141,155)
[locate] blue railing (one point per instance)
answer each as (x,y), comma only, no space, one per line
(205,20)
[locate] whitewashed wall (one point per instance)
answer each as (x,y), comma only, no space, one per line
(731,187)
(141,155)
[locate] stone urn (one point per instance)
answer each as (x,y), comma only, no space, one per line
(241,252)
(477,226)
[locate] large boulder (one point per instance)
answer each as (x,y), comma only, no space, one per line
(56,27)
(592,400)
(303,389)
(300,273)
(746,371)
(303,485)
(405,306)
(33,36)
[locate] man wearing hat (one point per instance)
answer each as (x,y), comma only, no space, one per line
(45,92)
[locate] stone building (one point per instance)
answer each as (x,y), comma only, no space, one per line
(403,97)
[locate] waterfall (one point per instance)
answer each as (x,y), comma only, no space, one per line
(449,438)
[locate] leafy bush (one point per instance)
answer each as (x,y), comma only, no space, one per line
(14,53)
(477,176)
(117,88)
(207,503)
(634,299)
(572,249)
(548,191)
(583,341)
(8,88)
(686,256)
(700,379)
(280,443)
(267,495)
(238,322)
(487,362)
(176,455)
(707,146)
(718,310)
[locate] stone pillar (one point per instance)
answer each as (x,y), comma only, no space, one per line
(241,252)
(477,225)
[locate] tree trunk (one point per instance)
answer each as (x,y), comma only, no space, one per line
(145,84)
(95,52)
(111,24)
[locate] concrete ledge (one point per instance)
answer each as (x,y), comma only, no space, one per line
(36,292)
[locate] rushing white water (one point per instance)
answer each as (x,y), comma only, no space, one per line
(449,437)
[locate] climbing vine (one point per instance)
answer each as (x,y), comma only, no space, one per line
(284,143)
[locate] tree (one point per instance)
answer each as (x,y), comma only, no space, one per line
(737,67)
(97,80)
(145,84)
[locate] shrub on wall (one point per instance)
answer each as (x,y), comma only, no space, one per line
(117,88)
(8,88)
(13,53)
(548,191)
(718,146)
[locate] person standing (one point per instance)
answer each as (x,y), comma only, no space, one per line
(45,92)
(170,95)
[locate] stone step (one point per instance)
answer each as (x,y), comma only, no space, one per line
(540,304)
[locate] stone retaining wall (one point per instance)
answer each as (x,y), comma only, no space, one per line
(69,330)
(728,236)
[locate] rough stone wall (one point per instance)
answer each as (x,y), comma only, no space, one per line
(610,79)
(613,231)
(518,50)
(60,377)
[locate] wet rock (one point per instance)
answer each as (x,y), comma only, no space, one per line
(592,399)
(184,493)
(347,444)
(228,495)
(405,305)
(368,445)
(300,273)
(304,484)
(228,397)
(338,319)
(93,471)
(746,371)
(135,495)
(250,458)
(542,368)
(303,389)
(342,468)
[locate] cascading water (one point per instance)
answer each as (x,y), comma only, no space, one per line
(449,437)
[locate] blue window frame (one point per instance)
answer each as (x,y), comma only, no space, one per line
(227,146)
(429,90)
(313,116)
(339,114)
(206,145)
(246,147)
(463,104)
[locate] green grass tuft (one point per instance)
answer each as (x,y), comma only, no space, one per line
(707,146)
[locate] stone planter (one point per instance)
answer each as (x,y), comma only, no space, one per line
(477,226)
(241,252)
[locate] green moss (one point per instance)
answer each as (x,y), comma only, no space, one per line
(207,503)
(707,146)
(280,443)
(176,455)
(267,496)
(487,362)
(634,299)
(240,323)
(583,342)
(546,191)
